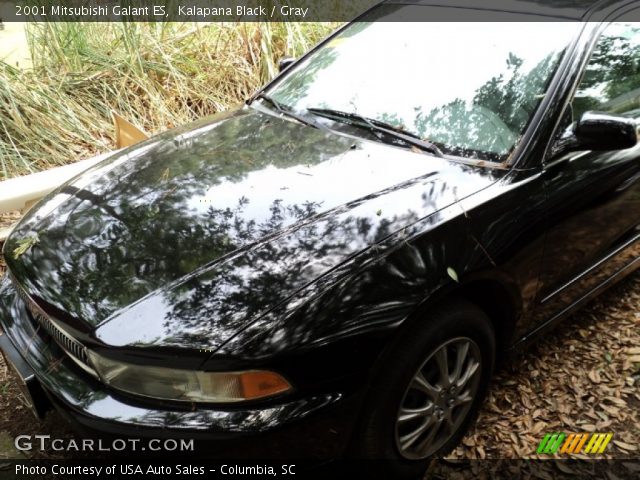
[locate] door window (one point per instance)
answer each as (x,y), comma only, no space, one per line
(611,81)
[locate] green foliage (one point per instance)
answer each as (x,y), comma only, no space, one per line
(24,245)
(156,75)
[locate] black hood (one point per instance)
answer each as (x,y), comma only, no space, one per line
(189,236)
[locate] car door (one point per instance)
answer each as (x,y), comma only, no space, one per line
(594,197)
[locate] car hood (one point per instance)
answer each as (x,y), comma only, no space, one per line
(184,239)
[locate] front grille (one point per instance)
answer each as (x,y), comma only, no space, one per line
(67,343)
(74,348)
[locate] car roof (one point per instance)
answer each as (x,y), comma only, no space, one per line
(569,10)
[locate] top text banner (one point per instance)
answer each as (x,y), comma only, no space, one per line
(182,10)
(310,10)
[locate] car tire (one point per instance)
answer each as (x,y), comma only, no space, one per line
(398,405)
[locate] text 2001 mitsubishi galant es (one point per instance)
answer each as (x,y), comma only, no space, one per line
(334,267)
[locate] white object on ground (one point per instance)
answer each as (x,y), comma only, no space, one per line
(21,193)
(14,48)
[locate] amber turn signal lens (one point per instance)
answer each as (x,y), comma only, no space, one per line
(258,384)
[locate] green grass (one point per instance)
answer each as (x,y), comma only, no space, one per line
(155,75)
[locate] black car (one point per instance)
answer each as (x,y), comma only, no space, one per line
(335,266)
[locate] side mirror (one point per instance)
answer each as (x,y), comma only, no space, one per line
(598,132)
(285,63)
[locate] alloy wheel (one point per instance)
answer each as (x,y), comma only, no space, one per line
(438,398)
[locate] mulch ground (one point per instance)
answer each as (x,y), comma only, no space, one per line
(583,377)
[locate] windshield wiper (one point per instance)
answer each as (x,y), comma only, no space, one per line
(288,112)
(378,126)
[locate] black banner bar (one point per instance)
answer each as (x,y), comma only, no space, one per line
(311,470)
(310,10)
(182,10)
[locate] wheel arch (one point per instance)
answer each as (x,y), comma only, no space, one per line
(504,314)
(483,292)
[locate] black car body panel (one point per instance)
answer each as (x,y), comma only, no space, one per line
(222,233)
(249,240)
(93,408)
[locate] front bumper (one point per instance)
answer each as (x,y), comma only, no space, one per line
(314,427)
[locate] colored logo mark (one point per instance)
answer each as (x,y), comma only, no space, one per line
(559,442)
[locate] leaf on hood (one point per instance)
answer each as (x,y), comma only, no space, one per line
(453,274)
(24,245)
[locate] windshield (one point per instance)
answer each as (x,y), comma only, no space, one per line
(469,88)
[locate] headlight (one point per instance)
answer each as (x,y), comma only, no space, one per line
(187,385)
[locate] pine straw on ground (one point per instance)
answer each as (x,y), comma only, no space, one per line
(583,377)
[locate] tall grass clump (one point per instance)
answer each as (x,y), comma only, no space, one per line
(156,75)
